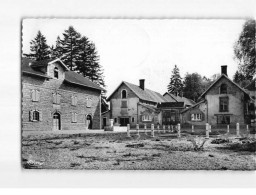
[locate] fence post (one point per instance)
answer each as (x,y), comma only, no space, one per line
(247,129)
(145,129)
(237,130)
(128,130)
(152,130)
(210,128)
(164,127)
(192,128)
(227,129)
(207,130)
(172,128)
(158,127)
(137,128)
(178,129)
(169,128)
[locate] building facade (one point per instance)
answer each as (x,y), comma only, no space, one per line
(224,102)
(133,104)
(55,98)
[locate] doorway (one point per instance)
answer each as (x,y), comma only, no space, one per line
(89,121)
(104,122)
(124,121)
(56,121)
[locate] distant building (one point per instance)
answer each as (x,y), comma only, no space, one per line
(133,104)
(55,98)
(224,102)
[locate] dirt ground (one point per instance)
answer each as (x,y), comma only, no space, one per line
(116,151)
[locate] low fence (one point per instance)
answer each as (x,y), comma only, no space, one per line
(206,130)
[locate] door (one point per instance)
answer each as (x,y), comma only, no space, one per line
(56,121)
(124,121)
(89,121)
(104,122)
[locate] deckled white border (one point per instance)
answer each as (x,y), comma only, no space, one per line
(11,12)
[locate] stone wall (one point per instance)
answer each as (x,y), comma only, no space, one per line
(47,108)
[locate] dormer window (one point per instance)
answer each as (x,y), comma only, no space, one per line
(223,89)
(56,73)
(124,94)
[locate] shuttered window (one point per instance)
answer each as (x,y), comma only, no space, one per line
(35,95)
(56,98)
(73,100)
(74,117)
(124,104)
(89,102)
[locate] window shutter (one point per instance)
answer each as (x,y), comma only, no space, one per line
(30,115)
(38,95)
(72,119)
(75,117)
(40,116)
(58,98)
(33,95)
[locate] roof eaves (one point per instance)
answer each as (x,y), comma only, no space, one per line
(98,88)
(40,75)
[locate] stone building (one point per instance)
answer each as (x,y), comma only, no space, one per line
(133,104)
(55,98)
(224,102)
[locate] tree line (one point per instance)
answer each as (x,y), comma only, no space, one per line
(76,51)
(193,85)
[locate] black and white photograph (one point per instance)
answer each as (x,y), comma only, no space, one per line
(138,94)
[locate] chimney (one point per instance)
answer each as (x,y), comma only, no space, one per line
(142,84)
(224,70)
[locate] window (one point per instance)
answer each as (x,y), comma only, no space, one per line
(124,95)
(132,119)
(223,89)
(223,104)
(146,118)
(56,73)
(223,119)
(35,95)
(56,98)
(73,100)
(89,102)
(196,117)
(124,104)
(35,115)
(74,117)
(115,120)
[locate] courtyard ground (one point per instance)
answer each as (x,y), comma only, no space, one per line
(116,151)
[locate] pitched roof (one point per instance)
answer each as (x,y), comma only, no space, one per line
(193,106)
(75,78)
(223,75)
(171,105)
(26,68)
(251,86)
(178,99)
(146,94)
(30,66)
(149,106)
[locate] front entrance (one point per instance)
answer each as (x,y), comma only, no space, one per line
(56,121)
(89,121)
(104,122)
(124,121)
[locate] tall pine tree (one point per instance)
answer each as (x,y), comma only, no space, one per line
(39,48)
(70,47)
(175,86)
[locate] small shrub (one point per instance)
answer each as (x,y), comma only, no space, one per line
(134,145)
(197,145)
(74,164)
(220,141)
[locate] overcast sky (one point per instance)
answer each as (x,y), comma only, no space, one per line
(133,49)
